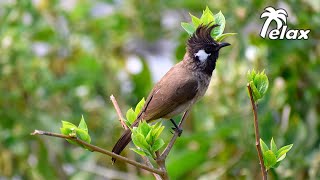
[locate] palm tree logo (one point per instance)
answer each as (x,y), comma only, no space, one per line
(279,16)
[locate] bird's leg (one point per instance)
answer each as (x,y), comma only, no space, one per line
(176,128)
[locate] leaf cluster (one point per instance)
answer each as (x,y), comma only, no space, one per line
(273,156)
(80,132)
(146,138)
(208,18)
(132,115)
(259,83)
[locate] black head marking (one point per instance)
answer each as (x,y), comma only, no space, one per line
(201,38)
(203,50)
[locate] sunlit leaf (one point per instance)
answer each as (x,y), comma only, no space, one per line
(157,145)
(207,17)
(139,107)
(67,124)
(264,147)
(196,21)
(149,137)
(139,151)
(269,159)
(131,116)
(83,135)
(273,146)
(255,92)
(221,21)
(188,27)
(220,37)
(139,140)
(281,153)
(144,128)
(83,125)
(157,131)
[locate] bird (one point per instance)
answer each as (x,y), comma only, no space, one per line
(183,85)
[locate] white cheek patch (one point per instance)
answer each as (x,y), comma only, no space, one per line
(202,55)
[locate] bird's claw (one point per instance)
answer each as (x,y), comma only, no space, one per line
(178,130)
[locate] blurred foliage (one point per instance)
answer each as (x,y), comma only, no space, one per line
(60,59)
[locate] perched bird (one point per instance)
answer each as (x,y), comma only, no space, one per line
(182,85)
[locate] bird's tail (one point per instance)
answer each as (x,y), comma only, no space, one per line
(124,140)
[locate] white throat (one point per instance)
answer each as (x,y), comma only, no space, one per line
(202,55)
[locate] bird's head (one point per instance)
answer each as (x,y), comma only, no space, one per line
(203,50)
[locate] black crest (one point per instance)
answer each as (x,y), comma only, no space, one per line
(201,36)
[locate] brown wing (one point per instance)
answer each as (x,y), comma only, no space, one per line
(176,88)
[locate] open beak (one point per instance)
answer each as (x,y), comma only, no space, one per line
(223,44)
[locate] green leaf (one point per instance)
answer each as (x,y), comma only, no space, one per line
(281,153)
(269,159)
(157,125)
(188,27)
(139,107)
(220,37)
(157,145)
(251,75)
(68,128)
(69,132)
(83,125)
(207,17)
(221,21)
(273,146)
(139,151)
(139,140)
(72,142)
(67,124)
(144,128)
(195,21)
(255,92)
(83,135)
(263,83)
(131,116)
(149,137)
(259,83)
(281,157)
(157,130)
(264,147)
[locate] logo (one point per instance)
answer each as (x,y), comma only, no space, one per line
(281,31)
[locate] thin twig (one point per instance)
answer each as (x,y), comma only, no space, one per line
(256,130)
(116,107)
(148,163)
(98,149)
(175,136)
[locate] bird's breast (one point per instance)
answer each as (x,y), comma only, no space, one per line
(203,83)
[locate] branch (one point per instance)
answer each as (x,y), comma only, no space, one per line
(256,130)
(161,159)
(165,153)
(116,107)
(100,150)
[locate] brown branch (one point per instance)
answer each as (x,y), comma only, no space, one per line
(116,107)
(165,153)
(148,163)
(100,150)
(161,159)
(256,130)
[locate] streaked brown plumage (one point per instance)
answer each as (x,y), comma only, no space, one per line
(182,85)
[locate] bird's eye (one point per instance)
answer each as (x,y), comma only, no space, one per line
(208,49)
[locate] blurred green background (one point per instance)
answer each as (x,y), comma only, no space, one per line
(63,58)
